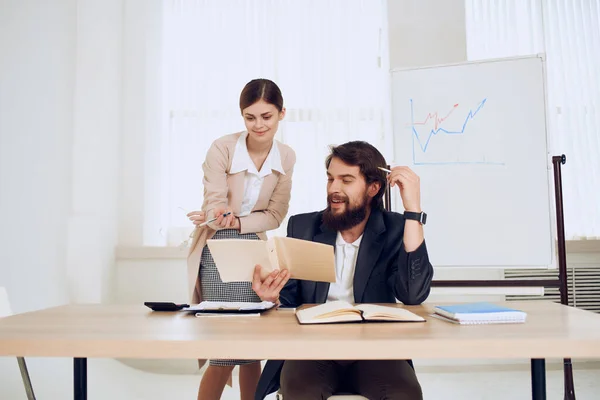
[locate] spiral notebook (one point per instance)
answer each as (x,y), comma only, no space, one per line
(479,313)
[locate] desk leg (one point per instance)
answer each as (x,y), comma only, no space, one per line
(538,379)
(80,378)
(568,373)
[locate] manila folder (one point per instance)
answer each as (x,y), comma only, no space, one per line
(306,260)
(235,258)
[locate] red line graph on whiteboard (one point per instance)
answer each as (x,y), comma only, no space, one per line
(437,119)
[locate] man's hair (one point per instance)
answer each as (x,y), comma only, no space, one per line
(367,158)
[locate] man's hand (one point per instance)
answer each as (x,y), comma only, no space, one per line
(410,190)
(269,288)
(410,187)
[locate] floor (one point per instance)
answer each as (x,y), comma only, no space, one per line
(114,380)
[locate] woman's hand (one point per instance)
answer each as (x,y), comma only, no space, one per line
(224,222)
(197,217)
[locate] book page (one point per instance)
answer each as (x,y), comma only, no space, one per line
(306,260)
(385,313)
(235,258)
(333,311)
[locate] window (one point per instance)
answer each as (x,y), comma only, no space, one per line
(329,57)
(567,32)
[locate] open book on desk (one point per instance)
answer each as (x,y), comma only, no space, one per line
(341,311)
(235,258)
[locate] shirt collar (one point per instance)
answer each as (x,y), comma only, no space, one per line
(274,159)
(242,161)
(339,240)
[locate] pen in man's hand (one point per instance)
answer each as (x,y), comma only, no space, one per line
(385,170)
(214,219)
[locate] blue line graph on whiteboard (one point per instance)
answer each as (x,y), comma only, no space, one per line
(434,144)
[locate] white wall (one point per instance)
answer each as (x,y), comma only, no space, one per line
(59,139)
(93,218)
(37,77)
(426,32)
(140,120)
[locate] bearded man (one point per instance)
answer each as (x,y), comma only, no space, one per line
(380,257)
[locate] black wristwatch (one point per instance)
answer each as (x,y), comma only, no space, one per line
(420,216)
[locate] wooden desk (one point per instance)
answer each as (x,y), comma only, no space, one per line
(108,331)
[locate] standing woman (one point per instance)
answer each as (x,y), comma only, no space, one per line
(249,174)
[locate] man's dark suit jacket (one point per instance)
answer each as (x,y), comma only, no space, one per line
(384,272)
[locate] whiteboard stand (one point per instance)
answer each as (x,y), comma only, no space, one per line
(557,161)
(538,366)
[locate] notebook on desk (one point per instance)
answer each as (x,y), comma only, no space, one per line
(228,307)
(479,313)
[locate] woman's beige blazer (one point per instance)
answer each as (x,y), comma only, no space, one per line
(227,190)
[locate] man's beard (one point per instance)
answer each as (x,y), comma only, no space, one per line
(349,218)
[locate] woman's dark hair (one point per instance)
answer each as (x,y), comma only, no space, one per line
(261,89)
(367,158)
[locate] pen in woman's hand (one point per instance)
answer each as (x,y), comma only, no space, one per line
(214,219)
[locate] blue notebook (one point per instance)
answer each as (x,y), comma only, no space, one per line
(479,313)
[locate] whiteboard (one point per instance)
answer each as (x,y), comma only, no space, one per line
(475,133)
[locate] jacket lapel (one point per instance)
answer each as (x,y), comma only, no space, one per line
(368,253)
(326,236)
(235,182)
(266,190)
